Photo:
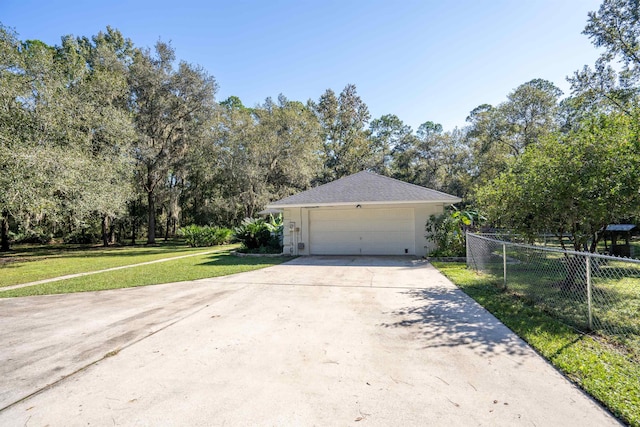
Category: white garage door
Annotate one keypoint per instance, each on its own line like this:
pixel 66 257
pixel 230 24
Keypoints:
pixel 362 231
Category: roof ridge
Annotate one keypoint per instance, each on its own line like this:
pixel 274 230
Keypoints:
pixel 403 182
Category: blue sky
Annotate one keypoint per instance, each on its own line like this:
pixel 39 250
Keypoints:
pixel 421 60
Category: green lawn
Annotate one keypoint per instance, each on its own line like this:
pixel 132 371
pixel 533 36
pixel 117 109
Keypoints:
pixel 191 268
pixel 30 263
pixel 601 370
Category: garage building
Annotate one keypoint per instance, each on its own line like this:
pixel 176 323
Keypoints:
pixel 360 214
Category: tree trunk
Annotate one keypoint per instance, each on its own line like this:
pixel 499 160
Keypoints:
pixel 575 269
pixel 151 232
pixel 105 232
pixel 4 240
pixel 121 235
pixel 133 224
pixel 112 232
pixel 194 216
pixel 166 230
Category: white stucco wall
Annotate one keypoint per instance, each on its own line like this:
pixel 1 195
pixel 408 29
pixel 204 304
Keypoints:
pixel 422 214
pixel 293 231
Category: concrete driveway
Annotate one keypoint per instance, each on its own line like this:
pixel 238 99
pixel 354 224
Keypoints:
pixel 316 341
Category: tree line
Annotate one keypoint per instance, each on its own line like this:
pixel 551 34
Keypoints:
pixel 576 170
pixel 100 137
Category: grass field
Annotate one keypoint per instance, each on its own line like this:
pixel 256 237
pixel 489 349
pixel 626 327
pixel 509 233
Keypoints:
pixel 31 263
pixel 600 369
pixel 192 268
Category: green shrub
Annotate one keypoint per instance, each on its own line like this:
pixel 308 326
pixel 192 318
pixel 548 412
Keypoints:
pixel 198 235
pixel 448 231
pixel 277 227
pixel 191 235
pixel 261 236
pixel 81 237
pixel 35 236
pixel 222 235
pixel 253 233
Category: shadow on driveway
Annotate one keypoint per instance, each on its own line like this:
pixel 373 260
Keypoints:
pixel 448 318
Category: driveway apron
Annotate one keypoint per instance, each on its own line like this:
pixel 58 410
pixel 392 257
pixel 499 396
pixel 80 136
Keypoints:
pixel 357 341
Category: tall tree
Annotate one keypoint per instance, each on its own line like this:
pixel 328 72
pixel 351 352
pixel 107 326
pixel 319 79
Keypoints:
pixel 570 183
pixel 235 163
pixel 63 137
pixel 434 159
pixel 498 134
pixel 615 27
pixel 416 158
pixel 97 71
pixel 388 134
pixel 289 137
pixel 34 152
pixel 453 174
pixel 13 119
pixel 531 112
pixel 171 107
pixel 346 144
pixel 264 153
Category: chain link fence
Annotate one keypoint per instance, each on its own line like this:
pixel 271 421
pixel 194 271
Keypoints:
pixel 593 293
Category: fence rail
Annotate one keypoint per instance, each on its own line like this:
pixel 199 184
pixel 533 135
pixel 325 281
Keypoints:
pixel 593 293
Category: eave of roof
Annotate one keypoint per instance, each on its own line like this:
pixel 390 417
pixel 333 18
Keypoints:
pixel 398 202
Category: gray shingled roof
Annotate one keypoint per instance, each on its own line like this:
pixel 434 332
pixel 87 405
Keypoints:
pixel 365 187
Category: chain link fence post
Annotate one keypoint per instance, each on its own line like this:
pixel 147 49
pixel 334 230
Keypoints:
pixel 467 252
pixel 504 266
pixel 589 310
